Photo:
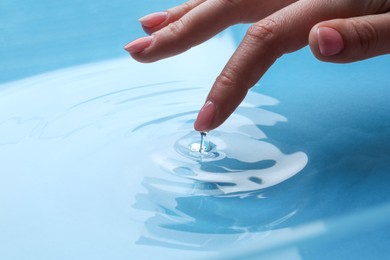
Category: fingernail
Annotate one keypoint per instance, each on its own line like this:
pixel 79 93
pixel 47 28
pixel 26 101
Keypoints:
pixel 154 19
pixel 139 44
pixel 330 41
pixel 205 117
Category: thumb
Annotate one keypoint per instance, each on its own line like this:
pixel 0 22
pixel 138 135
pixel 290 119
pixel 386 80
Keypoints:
pixel 351 39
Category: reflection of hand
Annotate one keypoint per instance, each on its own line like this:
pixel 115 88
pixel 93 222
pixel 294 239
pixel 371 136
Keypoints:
pixel 337 31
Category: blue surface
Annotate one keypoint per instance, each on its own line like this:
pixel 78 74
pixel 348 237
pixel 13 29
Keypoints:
pixel 70 189
pixel 39 36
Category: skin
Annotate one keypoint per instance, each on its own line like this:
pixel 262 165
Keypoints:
pixel 359 29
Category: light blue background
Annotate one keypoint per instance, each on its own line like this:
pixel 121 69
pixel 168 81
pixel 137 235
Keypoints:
pixel 338 114
pixel 39 36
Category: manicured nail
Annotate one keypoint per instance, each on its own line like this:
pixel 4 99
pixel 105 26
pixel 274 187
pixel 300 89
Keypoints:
pixel 152 20
pixel 139 44
pixel 330 41
pixel 205 117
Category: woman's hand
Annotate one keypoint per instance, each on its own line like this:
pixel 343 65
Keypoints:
pixel 337 31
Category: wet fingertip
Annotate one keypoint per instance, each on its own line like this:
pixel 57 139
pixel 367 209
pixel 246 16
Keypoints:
pixel 206 117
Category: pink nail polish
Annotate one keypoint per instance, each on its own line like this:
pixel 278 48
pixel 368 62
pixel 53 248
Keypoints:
pixel 139 44
pixel 205 117
pixel 330 41
pixel 153 20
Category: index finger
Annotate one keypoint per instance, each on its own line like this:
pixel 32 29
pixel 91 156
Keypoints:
pixel 284 31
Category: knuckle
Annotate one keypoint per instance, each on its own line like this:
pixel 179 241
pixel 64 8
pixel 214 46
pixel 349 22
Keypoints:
pixel 177 28
pixel 366 34
pixel 262 30
pixel 226 79
pixel 230 81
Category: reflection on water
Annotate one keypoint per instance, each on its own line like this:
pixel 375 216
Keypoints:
pixel 206 222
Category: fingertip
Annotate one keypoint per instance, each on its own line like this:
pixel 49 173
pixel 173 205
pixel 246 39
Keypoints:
pixel 138 45
pixel 330 41
pixel 351 39
pixel 153 20
pixel 139 49
pixel 205 118
pixel 325 42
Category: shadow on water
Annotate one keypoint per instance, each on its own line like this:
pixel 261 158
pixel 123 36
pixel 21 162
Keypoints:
pixel 233 165
pixel 227 195
pixel 209 222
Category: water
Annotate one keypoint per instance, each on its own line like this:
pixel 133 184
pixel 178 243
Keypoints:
pixel 92 131
pixel 204 146
pixel 101 161
pixel 94 153
pixel 229 167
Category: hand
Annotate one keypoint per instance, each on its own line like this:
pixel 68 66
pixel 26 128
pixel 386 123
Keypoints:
pixel 337 31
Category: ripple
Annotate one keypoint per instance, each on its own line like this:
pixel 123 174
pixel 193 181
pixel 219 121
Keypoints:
pixel 238 158
pixel 236 163
pixel 190 145
pixel 84 128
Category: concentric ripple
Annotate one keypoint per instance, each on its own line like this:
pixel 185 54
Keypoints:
pixel 160 116
pixel 235 162
pixel 69 135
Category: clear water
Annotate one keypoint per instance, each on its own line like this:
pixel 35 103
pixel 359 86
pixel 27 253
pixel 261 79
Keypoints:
pixel 101 130
pixel 101 161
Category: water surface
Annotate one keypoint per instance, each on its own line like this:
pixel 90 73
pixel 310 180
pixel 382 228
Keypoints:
pixel 95 160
